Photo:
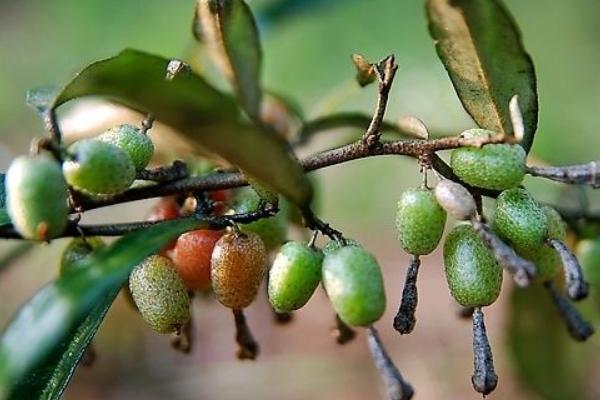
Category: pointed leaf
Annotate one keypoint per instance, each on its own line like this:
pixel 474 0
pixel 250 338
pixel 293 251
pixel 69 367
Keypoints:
pixel 480 46
pixel 52 317
pixel 204 115
pixel 229 31
pixel 4 218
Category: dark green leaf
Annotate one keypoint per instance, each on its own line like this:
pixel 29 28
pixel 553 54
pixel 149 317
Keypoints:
pixel 56 312
pixel 186 102
pixel 41 99
pixel 546 360
pixel 480 46
pixel 50 379
pixel 229 31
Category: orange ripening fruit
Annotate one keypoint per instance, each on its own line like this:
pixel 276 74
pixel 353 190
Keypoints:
pixel 192 254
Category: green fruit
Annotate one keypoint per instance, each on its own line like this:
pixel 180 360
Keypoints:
pixel 493 166
pixel 557 229
pixel 333 245
pixel 37 197
pixel 473 275
pixel 588 254
pixel 132 141
pixel 352 279
pixel 237 267
pixel 420 221
pixel 77 250
pixel 272 230
pixel 160 295
pixel 294 276
pixel 520 219
pixel 546 260
pixel 98 168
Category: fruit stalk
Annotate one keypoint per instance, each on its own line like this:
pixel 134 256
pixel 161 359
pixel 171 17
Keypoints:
pixel 577 287
pixel 248 347
pixel 342 332
pixel 405 320
pixel 521 270
pixel 578 328
pixel 168 173
pixel 396 387
pixel 484 377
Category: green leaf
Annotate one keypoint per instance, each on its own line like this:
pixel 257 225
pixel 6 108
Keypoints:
pixel 480 46
pixel 545 359
pixel 229 31
pixel 190 105
pixel 50 380
pixel 58 312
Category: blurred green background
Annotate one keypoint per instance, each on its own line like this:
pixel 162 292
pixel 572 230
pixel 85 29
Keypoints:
pixel 307 45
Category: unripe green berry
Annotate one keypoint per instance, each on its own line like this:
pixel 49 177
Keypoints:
pixel 547 261
pixel 333 245
pixel 272 230
pixel 238 265
pixel 294 276
pixel 420 221
pixel 37 197
pixel 455 199
pixel 520 219
pixel 352 279
pixel 493 166
pixel 473 275
pixel 77 250
pixel 588 254
pixel 132 141
pixel 557 229
pixel 160 295
pixel 98 168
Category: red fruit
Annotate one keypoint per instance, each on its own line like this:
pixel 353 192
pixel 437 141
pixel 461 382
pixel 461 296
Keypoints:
pixel 191 255
pixel 166 208
pixel 220 198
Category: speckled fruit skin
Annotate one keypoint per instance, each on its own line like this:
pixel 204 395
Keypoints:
pixel 36 197
pixel 98 168
pixel 294 276
pixel 588 254
pixel 272 230
pixel 352 279
pixel 77 250
pixel 546 260
pixel 192 254
pixel 557 229
pixel 132 141
pixel 519 218
pixel 473 275
pixel 160 295
pixel 333 245
pixel 493 166
pixel 420 221
pixel 238 265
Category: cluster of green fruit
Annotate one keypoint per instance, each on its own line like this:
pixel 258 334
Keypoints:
pixel 37 186
pixel 473 269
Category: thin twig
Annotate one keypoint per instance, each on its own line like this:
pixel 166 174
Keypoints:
pixel 167 173
pixel 248 347
pixel 484 377
pixel 385 72
pixel 588 174
pixel 342 332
